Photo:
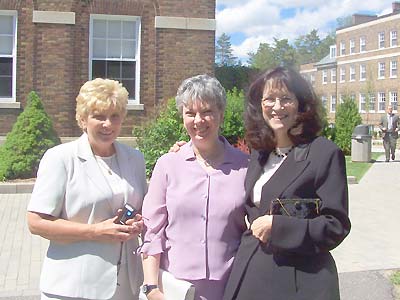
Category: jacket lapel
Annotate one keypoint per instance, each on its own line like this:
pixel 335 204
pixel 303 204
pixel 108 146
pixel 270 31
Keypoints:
pixel 126 168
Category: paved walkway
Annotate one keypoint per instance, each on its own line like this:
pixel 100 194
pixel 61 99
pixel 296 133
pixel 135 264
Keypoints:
pixel 372 246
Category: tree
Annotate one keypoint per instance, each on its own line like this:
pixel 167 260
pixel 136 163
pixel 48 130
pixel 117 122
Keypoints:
pixel 223 51
pixel 307 46
pixel 284 53
pixel 263 58
pixel 346 118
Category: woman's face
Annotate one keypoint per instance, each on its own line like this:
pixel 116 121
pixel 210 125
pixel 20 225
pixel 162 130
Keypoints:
pixel 279 107
pixel 202 121
pixel 102 128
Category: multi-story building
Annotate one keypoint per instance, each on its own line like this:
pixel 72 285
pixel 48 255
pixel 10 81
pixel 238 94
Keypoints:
pixel 362 65
pixel 53 47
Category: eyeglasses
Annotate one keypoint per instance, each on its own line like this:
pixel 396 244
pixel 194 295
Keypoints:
pixel 283 101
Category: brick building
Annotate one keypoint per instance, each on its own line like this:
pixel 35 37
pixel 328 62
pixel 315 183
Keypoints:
pixel 362 65
pixel 53 47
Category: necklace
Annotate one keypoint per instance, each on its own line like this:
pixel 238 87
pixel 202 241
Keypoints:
pixel 277 152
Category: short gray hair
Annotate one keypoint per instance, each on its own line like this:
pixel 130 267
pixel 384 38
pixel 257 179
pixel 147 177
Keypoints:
pixel 202 88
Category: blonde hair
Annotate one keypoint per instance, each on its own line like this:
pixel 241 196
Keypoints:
pixel 100 95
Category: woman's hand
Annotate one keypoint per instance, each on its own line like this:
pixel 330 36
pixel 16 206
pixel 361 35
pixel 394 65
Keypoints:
pixel 261 228
pixel 177 146
pixel 155 295
pixel 109 231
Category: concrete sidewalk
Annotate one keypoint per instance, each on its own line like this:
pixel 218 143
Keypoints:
pixel 371 248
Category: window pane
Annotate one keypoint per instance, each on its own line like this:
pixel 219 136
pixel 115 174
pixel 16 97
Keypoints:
pixel 6 25
pixel 5 66
pixel 130 86
pixel 6 45
pixel 113 69
pixel 128 29
pixel 114 29
pixel 114 49
pixel 5 86
pixel 99 28
pixel 128 69
pixel 99 48
pixel 98 69
pixel 128 49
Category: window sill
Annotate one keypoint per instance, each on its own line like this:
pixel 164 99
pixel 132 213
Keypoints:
pixel 16 105
pixel 131 106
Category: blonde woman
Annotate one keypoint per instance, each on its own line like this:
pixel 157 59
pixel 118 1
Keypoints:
pixel 80 189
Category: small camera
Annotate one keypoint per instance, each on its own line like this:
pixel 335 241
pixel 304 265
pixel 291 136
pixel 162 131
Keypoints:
pixel 128 212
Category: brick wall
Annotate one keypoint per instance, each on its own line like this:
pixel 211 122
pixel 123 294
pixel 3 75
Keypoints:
pixel 52 59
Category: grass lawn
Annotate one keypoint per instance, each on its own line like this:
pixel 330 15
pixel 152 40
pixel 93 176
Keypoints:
pixel 358 169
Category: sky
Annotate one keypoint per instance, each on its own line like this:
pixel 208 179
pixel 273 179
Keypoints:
pixel 252 22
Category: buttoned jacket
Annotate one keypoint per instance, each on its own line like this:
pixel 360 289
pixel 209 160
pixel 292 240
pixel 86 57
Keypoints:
pixel 395 125
pixel 70 185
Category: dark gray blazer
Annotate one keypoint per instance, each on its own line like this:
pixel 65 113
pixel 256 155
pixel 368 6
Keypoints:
pixel 296 263
pixel 383 125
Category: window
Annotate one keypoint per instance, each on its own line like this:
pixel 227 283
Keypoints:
pixel 8 56
pixel 342 48
pixel 371 103
pixel 324 101
pixel 393 69
pixel 393 100
pixel 312 79
pixel 393 38
pixel 333 75
pixel 353 97
pixel 352 73
pixel 381 70
pixel 333 103
pixel 332 51
pixel 363 44
pixel 362 103
pixel 363 72
pixel 324 77
pixel 352 46
pixel 114 51
pixel 381 101
pixel 381 40
pixel 341 99
pixel 342 74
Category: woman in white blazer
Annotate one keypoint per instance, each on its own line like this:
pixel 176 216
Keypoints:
pixel 80 189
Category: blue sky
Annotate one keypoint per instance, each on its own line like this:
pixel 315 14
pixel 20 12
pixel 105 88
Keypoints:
pixel 252 22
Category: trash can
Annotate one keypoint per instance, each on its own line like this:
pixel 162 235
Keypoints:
pixel 361 144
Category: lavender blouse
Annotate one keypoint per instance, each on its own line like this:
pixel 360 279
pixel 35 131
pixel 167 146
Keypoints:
pixel 194 218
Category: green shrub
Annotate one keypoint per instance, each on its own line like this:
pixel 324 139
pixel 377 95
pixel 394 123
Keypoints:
pixel 155 137
pixel 346 118
pixel 30 137
pixel 328 130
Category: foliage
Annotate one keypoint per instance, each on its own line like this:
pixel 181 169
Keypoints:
pixel 395 278
pixel 233 127
pixel 30 137
pixel 223 51
pixel 238 77
pixel 310 48
pixel 346 118
pixel 328 130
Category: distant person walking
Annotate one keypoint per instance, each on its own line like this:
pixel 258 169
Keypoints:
pixel 390 126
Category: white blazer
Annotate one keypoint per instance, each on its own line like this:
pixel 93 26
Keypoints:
pixel 70 185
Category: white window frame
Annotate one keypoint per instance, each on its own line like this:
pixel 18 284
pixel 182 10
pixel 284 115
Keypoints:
pixel 324 101
pixel 393 69
pixel 352 46
pixel 333 104
pixel 352 74
pixel 393 100
pixel 393 38
pixel 342 74
pixel 341 98
pixel 333 76
pixel 324 76
pixel 363 72
pixel 363 44
pixel 312 79
pixel 332 51
pixel 342 48
pixel 381 102
pixel 381 40
pixel 372 102
pixel 134 100
pixel 362 105
pixel 13 56
pixel 381 70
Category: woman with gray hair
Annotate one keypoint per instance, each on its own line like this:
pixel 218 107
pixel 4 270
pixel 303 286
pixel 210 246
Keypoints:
pixel 193 211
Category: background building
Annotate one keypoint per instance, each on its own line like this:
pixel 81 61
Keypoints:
pixel 362 65
pixel 53 47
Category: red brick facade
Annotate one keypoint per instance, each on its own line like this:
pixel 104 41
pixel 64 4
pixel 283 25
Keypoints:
pixel 53 59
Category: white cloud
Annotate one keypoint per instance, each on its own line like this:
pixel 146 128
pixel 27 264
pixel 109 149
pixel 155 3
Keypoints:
pixel 261 20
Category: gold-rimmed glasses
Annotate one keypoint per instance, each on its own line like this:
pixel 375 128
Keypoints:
pixel 283 101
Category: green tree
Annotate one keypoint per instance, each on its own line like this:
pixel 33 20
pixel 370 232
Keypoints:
pixel 233 126
pixel 284 53
pixel 346 118
pixel 223 51
pixel 30 137
pixel 234 76
pixel 263 58
pixel 306 47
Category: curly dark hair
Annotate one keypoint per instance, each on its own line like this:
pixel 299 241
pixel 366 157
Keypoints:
pixel 259 135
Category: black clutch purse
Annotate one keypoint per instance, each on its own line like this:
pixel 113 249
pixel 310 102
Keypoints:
pixel 303 208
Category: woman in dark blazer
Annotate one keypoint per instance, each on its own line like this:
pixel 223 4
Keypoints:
pixel 281 256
